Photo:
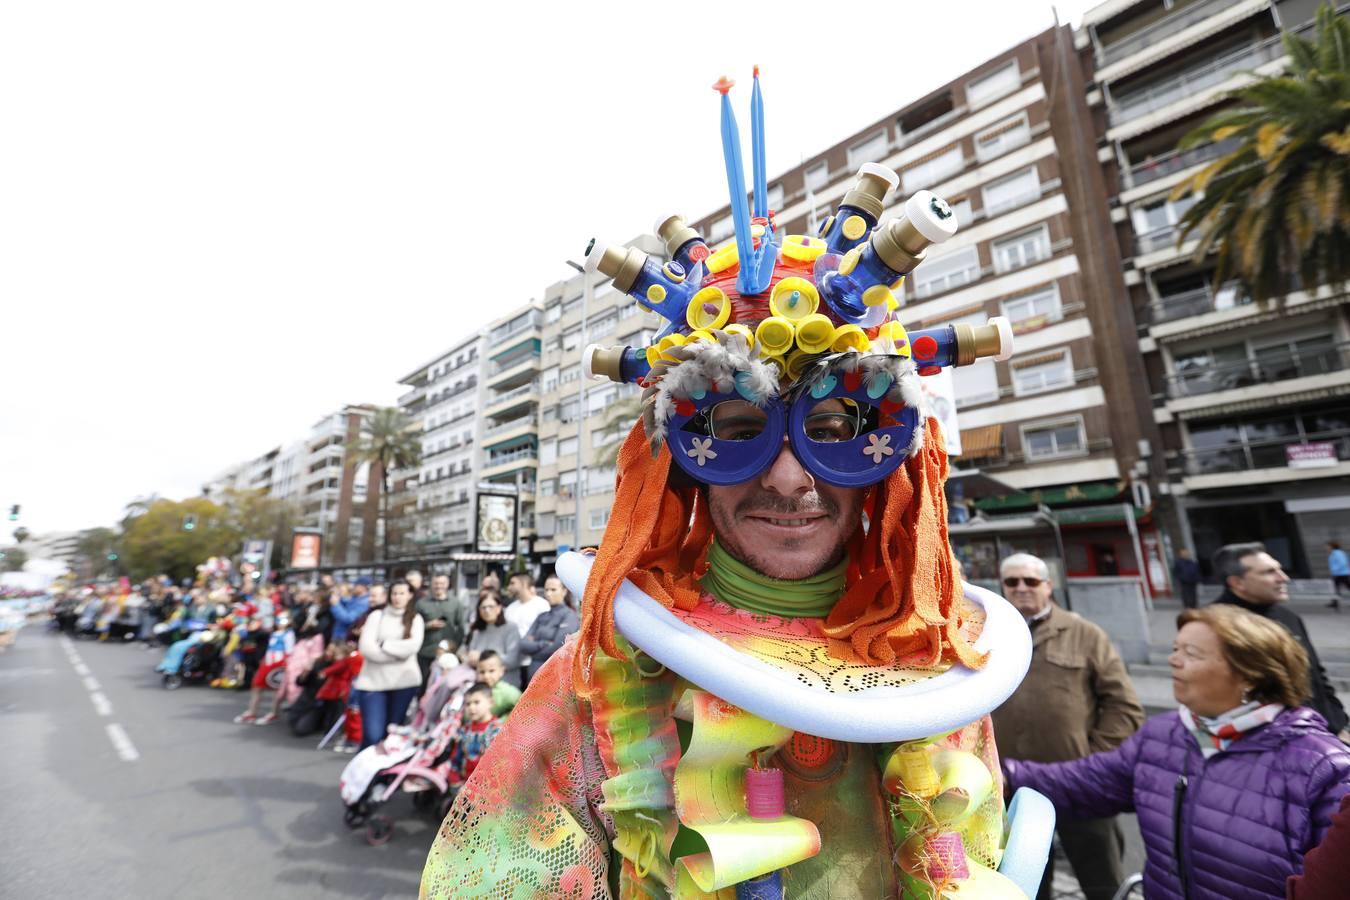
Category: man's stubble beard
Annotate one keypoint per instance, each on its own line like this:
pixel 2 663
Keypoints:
pixel 724 527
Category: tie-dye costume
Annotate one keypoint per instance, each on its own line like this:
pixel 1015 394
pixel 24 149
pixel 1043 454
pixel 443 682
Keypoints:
pixel 686 746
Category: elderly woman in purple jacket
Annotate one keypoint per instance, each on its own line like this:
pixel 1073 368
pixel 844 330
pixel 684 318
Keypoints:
pixel 1234 787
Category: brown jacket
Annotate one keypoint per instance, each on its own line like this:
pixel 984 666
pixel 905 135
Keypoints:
pixel 1076 699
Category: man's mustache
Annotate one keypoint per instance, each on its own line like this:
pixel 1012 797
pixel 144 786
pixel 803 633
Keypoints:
pixel 770 504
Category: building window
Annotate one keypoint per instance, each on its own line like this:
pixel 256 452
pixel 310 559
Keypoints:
pixel 602 437
pixel 571 340
pixel 546 526
pixel 567 411
pixel 946 272
pixel 1060 437
pixel 567 447
pixel 930 172
pixel 554 312
pixel 599 518
pixel 817 176
pixel 570 374
pixel 550 380
pixel 1011 192
pixel 1047 373
pixel 965 215
pixel 548 487
pixel 975 384
pixel 1006 135
pixel 548 452
pixel 775 197
pixel 548 414
pixel 869 149
pixel 1035 309
pixel 602 325
pixel 567 526
pixel 998 83
pixel 1022 250
pixel 722 229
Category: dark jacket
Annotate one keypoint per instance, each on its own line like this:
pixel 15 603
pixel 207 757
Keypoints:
pixel 547 634
pixel 1076 699
pixel 1245 816
pixel 1324 698
pixel 452 612
pixel 1186 571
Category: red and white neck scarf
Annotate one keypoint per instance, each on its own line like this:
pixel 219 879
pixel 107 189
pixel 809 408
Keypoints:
pixel 1218 733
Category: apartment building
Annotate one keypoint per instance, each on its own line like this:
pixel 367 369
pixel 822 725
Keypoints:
pixel 1250 402
pixel 580 421
pixel 434 507
pixel 1010 146
pixel 333 488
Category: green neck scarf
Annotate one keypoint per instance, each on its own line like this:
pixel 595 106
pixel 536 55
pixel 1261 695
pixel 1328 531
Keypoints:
pixel 735 583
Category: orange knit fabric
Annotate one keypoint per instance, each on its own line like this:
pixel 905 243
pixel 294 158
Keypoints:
pixel 901 594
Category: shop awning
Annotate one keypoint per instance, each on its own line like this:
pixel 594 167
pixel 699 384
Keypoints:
pixel 1109 514
pixel 982 442
pixel 1092 492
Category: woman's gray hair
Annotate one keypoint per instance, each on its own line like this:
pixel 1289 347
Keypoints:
pixel 1024 559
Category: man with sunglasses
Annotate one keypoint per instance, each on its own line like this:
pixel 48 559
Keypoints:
pixel 1077 699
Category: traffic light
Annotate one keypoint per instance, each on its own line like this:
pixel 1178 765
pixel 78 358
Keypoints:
pixel 189 522
pixel 14 513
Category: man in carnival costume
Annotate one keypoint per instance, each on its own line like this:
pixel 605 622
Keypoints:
pixel 779 688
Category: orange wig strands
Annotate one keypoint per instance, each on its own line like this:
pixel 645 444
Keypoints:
pixel 902 591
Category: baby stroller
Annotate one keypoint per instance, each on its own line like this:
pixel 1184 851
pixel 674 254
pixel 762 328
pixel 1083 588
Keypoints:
pixel 196 658
pixel 415 760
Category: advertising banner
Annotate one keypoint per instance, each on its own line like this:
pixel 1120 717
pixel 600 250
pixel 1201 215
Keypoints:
pixel 1312 455
pixel 495 525
pixel 305 550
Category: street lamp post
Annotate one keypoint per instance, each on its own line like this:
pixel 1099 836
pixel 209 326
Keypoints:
pixel 581 401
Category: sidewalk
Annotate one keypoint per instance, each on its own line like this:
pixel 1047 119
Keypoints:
pixel 1329 629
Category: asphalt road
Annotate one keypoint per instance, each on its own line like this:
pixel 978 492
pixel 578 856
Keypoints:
pixel 113 787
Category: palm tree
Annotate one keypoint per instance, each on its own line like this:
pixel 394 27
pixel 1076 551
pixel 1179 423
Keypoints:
pixel 1277 208
pixel 389 440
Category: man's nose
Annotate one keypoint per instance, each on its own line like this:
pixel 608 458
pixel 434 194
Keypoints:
pixel 787 476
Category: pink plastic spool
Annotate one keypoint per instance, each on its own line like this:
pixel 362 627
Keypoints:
pixel 764 793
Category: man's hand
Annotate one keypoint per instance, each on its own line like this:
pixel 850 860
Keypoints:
pixel 436 623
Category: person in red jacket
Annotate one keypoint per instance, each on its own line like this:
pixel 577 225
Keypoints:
pixel 1326 868
pixel 337 685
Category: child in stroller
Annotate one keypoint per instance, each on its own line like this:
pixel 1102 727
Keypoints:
pixel 416 758
pixel 195 658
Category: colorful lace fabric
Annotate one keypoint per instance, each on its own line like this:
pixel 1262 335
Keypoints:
pixel 801 648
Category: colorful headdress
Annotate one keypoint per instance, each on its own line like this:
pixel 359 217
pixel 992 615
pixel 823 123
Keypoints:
pixel 795 336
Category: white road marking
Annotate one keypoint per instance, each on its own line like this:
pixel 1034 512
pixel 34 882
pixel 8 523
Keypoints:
pixel 101 704
pixel 121 743
pixel 80 668
pixel 91 683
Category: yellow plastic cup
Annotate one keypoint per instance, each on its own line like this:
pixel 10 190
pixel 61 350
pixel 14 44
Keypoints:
pixel 850 337
pixel 743 331
pixel 815 333
pixel 699 317
pixel 774 336
pixel 669 341
pixel 794 299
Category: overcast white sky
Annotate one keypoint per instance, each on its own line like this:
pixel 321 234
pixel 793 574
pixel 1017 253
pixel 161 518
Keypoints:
pixel 221 221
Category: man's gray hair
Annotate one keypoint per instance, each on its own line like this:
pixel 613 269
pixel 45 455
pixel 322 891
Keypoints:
pixel 1024 559
pixel 1228 559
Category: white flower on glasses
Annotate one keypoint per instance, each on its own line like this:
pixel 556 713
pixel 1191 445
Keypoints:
pixel 702 450
pixel 878 449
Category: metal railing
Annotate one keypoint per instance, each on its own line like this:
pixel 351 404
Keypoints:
pixel 1194 303
pixel 498 459
pixel 500 366
pixel 1268 368
pixel 1250 455
pixel 512 394
pixel 1151 170
pixel 1022 199
pixel 524 323
pixel 1192 81
pixel 1160 30
pixel 508 426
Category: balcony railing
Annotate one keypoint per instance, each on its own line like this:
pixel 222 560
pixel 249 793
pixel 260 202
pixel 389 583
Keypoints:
pixel 509 426
pixel 1194 303
pixel 1151 170
pixel 1164 238
pixel 1252 455
pixel 524 323
pixel 1269 368
pixel 1192 81
pixel 502 365
pixel 512 394
pixel 498 459
pixel 1161 30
